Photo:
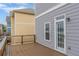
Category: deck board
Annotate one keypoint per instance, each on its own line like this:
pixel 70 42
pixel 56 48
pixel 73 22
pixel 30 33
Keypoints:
pixel 32 49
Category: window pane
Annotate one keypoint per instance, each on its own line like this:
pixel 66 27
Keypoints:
pixel 47 35
pixel 9 29
pixel 47 31
pixel 47 27
pixel 61 17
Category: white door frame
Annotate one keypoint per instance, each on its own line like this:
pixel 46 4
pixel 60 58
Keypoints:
pixel 64 19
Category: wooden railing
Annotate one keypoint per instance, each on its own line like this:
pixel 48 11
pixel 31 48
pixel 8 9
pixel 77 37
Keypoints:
pixel 21 39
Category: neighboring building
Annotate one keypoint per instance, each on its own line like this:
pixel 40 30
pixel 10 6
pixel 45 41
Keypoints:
pixel 8 21
pixel 22 22
pixel 57 26
pixel 1 30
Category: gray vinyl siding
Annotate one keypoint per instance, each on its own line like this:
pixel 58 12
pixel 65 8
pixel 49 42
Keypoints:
pixel 72 28
pixel 40 30
pixel 44 7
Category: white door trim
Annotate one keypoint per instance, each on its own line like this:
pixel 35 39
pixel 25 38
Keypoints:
pixel 64 32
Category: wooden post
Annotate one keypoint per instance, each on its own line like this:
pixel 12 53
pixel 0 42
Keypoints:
pixel 34 39
pixel 22 39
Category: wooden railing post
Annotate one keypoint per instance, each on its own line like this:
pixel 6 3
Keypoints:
pixel 22 39
pixel 34 39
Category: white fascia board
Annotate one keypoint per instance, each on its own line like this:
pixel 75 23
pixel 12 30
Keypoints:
pixel 51 9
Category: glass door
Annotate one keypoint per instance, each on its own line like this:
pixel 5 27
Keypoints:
pixel 60 35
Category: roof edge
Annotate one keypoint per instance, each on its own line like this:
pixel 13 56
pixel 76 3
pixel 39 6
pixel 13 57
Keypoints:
pixel 51 9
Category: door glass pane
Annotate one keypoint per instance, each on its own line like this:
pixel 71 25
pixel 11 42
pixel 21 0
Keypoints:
pixel 60 34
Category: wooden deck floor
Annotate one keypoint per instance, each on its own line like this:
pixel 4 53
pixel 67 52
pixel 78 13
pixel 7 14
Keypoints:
pixel 32 49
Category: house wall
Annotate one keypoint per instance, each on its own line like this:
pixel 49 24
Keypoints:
pixel 25 24
pixel 1 30
pixel 43 7
pixel 22 24
pixel 8 20
pixel 72 28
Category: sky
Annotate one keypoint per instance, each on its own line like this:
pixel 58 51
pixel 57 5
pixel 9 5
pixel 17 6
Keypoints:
pixel 5 8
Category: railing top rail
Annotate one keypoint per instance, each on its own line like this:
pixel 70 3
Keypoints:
pixel 22 35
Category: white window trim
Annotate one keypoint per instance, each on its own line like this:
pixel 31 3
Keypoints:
pixel 64 32
pixel 51 9
pixel 49 31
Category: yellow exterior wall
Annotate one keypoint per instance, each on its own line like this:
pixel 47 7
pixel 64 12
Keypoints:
pixel 25 24
pixel 22 24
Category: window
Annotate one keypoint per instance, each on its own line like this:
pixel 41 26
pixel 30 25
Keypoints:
pixel 9 29
pixel 60 17
pixel 47 31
